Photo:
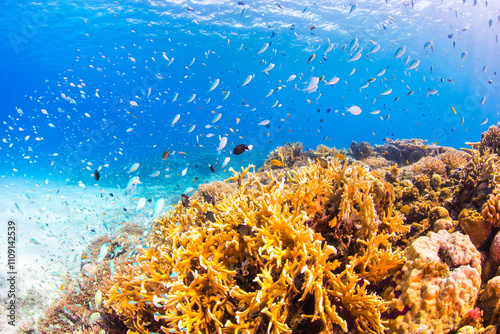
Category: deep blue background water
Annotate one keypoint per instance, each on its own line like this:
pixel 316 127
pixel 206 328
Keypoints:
pixel 45 46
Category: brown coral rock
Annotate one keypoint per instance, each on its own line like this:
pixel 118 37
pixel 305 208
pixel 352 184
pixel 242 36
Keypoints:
pixel 214 191
pixel 489 298
pixel 428 166
pixel 376 162
pixel 287 154
pixel 490 140
pixel 361 150
pixel 421 181
pixel 441 281
pixel 453 159
pixel 442 224
pixel 438 212
pixel 473 224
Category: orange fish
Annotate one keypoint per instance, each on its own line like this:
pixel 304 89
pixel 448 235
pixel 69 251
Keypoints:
pixel 276 162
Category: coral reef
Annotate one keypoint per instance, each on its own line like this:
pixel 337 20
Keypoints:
pixel 489 299
pixel 473 225
pixel 440 282
pixel 361 150
pixel 377 163
pixel 495 249
pixel 314 243
pixel 429 166
pixel 79 309
pixel 287 156
pixel 491 210
pixel 408 151
pixel 478 180
pixel 325 151
pixel 213 192
pixel 269 259
pixel 490 140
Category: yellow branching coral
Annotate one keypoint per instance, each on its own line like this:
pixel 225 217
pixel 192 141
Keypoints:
pixel 264 259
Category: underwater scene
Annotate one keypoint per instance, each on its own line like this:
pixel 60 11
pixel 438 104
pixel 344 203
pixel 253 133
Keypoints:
pixel 216 166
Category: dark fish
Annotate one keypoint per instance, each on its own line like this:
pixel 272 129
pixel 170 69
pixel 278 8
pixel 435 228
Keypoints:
pixel 212 168
pixel 165 154
pixel 209 199
pixel 185 201
pixel 210 216
pixel 97 176
pixel 244 229
pixel 241 3
pixel 311 58
pixel 323 162
pixel 240 149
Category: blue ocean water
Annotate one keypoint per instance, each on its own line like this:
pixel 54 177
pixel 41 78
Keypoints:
pixel 91 84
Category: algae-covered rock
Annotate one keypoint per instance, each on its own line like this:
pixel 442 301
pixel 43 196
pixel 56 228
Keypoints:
pixel 440 282
pixel 473 224
pixel 442 224
pixel 436 181
pixel 467 330
pixel 489 298
pixel 438 212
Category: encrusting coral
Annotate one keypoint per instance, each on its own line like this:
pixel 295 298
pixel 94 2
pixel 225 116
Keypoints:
pixel 407 151
pixel 265 259
pixel 440 283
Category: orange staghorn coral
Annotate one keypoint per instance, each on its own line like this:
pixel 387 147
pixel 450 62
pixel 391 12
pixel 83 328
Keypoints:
pixel 257 261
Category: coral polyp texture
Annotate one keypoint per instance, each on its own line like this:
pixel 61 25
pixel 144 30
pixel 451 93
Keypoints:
pixel 307 252
pixel 440 283
pixel 491 211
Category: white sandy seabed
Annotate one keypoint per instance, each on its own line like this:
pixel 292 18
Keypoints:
pixel 54 224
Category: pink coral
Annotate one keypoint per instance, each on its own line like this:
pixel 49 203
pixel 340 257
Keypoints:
pixel 440 283
pixel 495 249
